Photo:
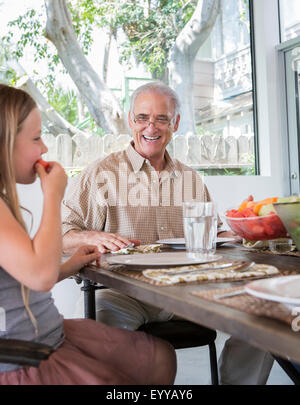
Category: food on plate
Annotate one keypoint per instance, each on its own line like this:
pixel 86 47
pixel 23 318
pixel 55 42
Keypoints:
pixel 154 248
pixel 256 220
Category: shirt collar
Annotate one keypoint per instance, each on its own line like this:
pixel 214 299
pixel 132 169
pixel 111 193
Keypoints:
pixel 137 161
pixel 135 158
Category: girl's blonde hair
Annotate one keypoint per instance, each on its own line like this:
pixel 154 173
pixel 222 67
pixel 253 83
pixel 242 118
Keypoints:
pixel 15 106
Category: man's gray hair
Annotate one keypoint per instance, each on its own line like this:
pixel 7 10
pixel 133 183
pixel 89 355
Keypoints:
pixel 160 88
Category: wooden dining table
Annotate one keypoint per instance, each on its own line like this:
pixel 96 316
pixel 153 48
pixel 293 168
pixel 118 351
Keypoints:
pixel 263 332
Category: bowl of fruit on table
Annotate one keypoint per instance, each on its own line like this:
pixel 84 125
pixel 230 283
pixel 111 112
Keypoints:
pixel 288 209
pixel 256 220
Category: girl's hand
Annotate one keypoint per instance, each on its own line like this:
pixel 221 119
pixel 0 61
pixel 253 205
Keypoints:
pixel 84 255
pixel 53 179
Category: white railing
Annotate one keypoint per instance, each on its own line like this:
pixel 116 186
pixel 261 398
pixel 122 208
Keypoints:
pixel 199 151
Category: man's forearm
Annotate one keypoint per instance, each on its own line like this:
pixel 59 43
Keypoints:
pixel 105 241
pixel 73 239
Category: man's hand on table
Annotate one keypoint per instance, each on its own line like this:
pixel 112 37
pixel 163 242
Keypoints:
pixel 105 241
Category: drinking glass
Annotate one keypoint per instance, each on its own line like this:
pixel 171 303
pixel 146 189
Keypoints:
pixel 200 228
pixel 281 245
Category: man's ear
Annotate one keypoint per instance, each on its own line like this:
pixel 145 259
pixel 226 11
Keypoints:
pixel 176 125
pixel 129 120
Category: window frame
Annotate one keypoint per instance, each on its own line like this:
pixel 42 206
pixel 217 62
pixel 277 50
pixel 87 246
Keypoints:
pixel 254 89
pixel 290 105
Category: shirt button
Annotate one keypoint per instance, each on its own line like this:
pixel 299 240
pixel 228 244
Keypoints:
pixel 161 228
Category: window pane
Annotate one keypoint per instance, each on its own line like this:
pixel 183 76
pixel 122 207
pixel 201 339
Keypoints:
pixel 222 99
pixel 224 94
pixel 289 19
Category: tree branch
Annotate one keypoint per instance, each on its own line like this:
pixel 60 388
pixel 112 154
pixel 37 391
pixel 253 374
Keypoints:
pixel 102 104
pixel 197 30
pixel 183 54
pixel 54 122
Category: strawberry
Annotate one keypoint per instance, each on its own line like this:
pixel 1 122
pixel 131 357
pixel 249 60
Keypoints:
pixel 43 163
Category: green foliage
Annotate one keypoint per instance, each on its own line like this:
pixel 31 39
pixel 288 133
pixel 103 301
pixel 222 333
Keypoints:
pixel 151 27
pixel 202 130
pixel 242 171
pixel 66 103
pixel 30 37
pixel 90 124
pixel 244 14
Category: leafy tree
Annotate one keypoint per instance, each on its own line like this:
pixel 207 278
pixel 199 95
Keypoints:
pixel 66 103
pixel 151 27
pixel 162 34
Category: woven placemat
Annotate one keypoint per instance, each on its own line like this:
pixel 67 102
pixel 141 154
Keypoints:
pixel 268 251
pixel 137 275
pixel 248 303
pixel 154 278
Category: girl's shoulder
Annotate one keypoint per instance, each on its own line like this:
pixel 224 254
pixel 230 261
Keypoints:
pixel 4 208
pixel 3 204
pixel 6 215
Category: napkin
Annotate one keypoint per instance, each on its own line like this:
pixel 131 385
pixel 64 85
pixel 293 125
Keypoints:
pixel 258 244
pixel 161 275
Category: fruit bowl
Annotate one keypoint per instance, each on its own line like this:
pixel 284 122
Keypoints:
pixel 258 227
pixel 289 213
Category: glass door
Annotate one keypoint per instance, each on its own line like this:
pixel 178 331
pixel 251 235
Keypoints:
pixel 292 73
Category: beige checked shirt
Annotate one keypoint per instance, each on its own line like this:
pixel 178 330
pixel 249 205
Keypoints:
pixel 124 194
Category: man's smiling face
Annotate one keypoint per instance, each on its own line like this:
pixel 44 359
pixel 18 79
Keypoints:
pixel 152 123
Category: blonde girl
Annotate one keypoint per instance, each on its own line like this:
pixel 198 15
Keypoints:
pixel 86 352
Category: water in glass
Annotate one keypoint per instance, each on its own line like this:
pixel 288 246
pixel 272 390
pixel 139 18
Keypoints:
pixel 200 228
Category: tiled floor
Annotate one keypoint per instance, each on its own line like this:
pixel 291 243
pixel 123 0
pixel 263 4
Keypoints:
pixel 194 368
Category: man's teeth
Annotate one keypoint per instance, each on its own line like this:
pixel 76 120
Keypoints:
pixel 151 138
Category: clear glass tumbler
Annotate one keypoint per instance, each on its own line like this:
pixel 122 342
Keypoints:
pixel 281 245
pixel 200 228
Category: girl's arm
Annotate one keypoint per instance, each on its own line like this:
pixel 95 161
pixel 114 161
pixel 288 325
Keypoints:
pixel 35 263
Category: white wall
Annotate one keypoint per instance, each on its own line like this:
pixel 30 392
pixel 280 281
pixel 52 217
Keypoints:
pixel 66 292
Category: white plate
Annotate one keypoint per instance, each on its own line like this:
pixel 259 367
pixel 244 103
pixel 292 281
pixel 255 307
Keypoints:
pixel 220 241
pixel 179 243
pixel 160 259
pixel 174 241
pixel 284 289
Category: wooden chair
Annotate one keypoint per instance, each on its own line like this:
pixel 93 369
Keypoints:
pixel 182 334
pixel 23 353
pixel 179 333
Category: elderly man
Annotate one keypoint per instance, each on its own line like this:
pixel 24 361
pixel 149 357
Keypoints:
pixel 136 196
